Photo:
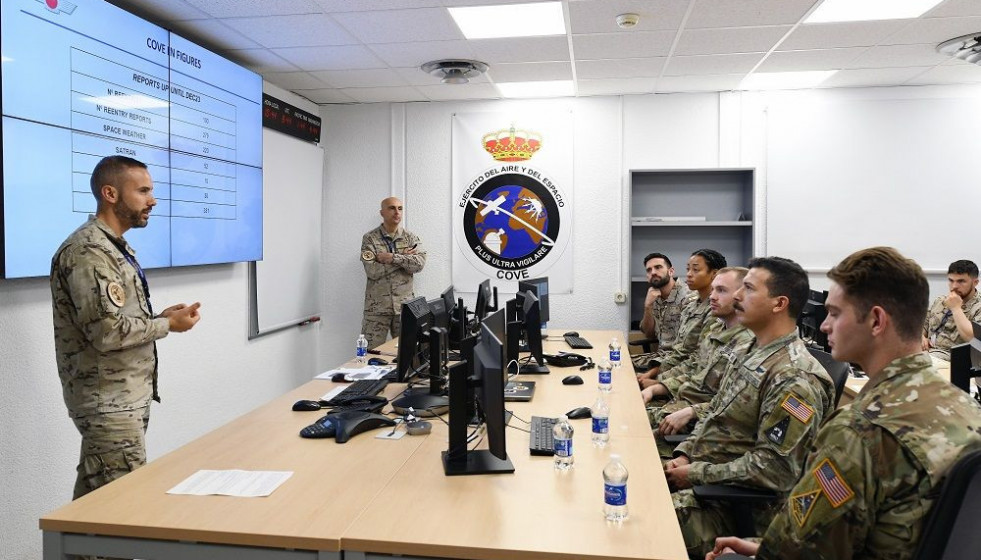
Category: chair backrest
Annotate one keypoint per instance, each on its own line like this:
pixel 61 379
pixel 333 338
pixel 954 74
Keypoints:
pixel 837 370
pixel 951 529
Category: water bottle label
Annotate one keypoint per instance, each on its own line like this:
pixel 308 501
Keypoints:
pixel 601 425
pixel 563 447
pixel 615 494
pixel 605 376
pixel 362 351
pixel 614 355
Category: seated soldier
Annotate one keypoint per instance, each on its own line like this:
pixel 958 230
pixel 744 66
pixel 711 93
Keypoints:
pixel 948 323
pixel 702 267
pixel 695 381
pixel 876 463
pixel 765 415
pixel 666 298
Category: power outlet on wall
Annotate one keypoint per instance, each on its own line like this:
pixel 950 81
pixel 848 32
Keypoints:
pixel 620 297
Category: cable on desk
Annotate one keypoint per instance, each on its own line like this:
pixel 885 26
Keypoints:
pixel 519 429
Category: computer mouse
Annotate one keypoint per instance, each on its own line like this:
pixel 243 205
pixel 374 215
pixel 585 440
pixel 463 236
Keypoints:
pixel 325 427
pixel 577 413
pixel 571 333
pixel 572 380
pixel 339 378
pixel 377 362
pixel 418 428
pixel 307 405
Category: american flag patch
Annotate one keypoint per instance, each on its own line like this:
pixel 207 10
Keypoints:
pixel 831 482
pixel 797 408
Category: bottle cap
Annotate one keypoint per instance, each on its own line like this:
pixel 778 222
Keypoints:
pixel 564 418
pixel 614 456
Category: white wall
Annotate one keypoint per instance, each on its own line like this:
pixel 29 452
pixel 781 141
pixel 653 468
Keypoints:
pixel 208 376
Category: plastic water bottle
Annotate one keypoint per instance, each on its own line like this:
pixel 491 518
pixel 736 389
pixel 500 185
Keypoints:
pixel 361 354
pixel 601 421
pixel 562 434
pixel 605 371
pixel 615 489
pixel 615 352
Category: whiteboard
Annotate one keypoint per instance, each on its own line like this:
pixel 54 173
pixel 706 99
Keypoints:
pixel 843 175
pixel 284 287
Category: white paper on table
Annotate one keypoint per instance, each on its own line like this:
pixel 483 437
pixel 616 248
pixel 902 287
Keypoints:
pixel 354 374
pixel 245 484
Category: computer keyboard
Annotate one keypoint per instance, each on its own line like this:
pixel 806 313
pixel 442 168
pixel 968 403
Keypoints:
pixel 360 388
pixel 541 441
pixel 577 342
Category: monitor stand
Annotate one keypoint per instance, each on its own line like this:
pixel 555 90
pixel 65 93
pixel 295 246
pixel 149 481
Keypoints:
pixel 476 462
pixel 533 368
pixel 423 403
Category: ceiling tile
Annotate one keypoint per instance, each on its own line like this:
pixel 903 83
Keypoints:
pixel 257 8
pixel 294 80
pixel 214 34
pixel 155 10
pixel 934 31
pixel 953 8
pixel 385 94
pixel 724 82
pixel 870 77
pixel 894 56
pixel 817 59
pixel 401 55
pixel 325 95
pixel 711 64
pixel 616 86
pixel 599 16
pixel 449 92
pixel 261 60
pixel 960 73
pixel 531 72
pixel 345 57
pixel 729 40
pixel 394 26
pixel 837 35
pixel 619 68
pixel 293 31
pixel 369 5
pixel 523 49
pixel 642 44
pixel 739 13
pixel 380 77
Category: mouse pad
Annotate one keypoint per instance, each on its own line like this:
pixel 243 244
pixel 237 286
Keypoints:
pixel 519 391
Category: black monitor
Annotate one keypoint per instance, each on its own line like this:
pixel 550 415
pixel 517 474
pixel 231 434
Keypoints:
pixel 539 287
pixel 457 322
pixel 965 363
pixel 441 314
pixel 487 383
pixel 531 326
pixel 415 320
pixel 810 319
pixel 486 301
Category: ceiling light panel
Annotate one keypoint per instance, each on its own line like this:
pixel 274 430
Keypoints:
pixel 869 10
pixel 510 20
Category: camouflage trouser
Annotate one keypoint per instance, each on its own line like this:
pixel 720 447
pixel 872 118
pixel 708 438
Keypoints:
pixel 113 444
pixel 376 328
pixel 644 362
pixel 655 415
pixel 702 522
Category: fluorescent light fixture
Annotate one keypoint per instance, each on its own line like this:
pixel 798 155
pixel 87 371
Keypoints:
pixel 510 20
pixel 834 11
pixel 552 88
pixel 785 80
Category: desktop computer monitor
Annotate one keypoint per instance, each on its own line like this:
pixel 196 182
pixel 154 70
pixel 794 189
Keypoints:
pixel 965 363
pixel 415 320
pixel 441 314
pixel 486 301
pixel 487 384
pixel 810 319
pixel 539 287
pixel 531 326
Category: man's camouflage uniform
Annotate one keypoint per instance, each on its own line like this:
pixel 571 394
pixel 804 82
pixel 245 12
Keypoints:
pixel 105 335
pixel 696 314
pixel 757 434
pixel 869 482
pixel 940 328
pixel 667 322
pixel 389 285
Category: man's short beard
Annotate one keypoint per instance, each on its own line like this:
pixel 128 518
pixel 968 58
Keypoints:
pixel 658 284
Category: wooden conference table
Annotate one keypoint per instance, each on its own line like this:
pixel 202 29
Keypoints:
pixel 371 497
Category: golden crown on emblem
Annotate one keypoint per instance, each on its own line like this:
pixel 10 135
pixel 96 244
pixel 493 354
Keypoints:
pixel 512 144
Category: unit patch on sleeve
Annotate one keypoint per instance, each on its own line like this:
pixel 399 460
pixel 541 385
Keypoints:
pixel 802 504
pixel 778 431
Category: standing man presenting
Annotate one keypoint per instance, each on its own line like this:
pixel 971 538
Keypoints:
pixel 105 329
pixel 391 256
pixel 948 322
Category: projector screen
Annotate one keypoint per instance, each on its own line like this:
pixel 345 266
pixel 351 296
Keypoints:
pixel 85 80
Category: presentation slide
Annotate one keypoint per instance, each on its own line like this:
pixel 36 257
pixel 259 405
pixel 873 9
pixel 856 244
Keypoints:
pixel 85 80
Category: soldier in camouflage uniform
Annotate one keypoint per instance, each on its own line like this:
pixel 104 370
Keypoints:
pixel 948 323
pixel 702 268
pixel 105 329
pixel 693 383
pixel 666 299
pixel 877 462
pixel 766 413
pixel 391 256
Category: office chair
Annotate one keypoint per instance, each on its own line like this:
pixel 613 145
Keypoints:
pixel 950 528
pixel 838 371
